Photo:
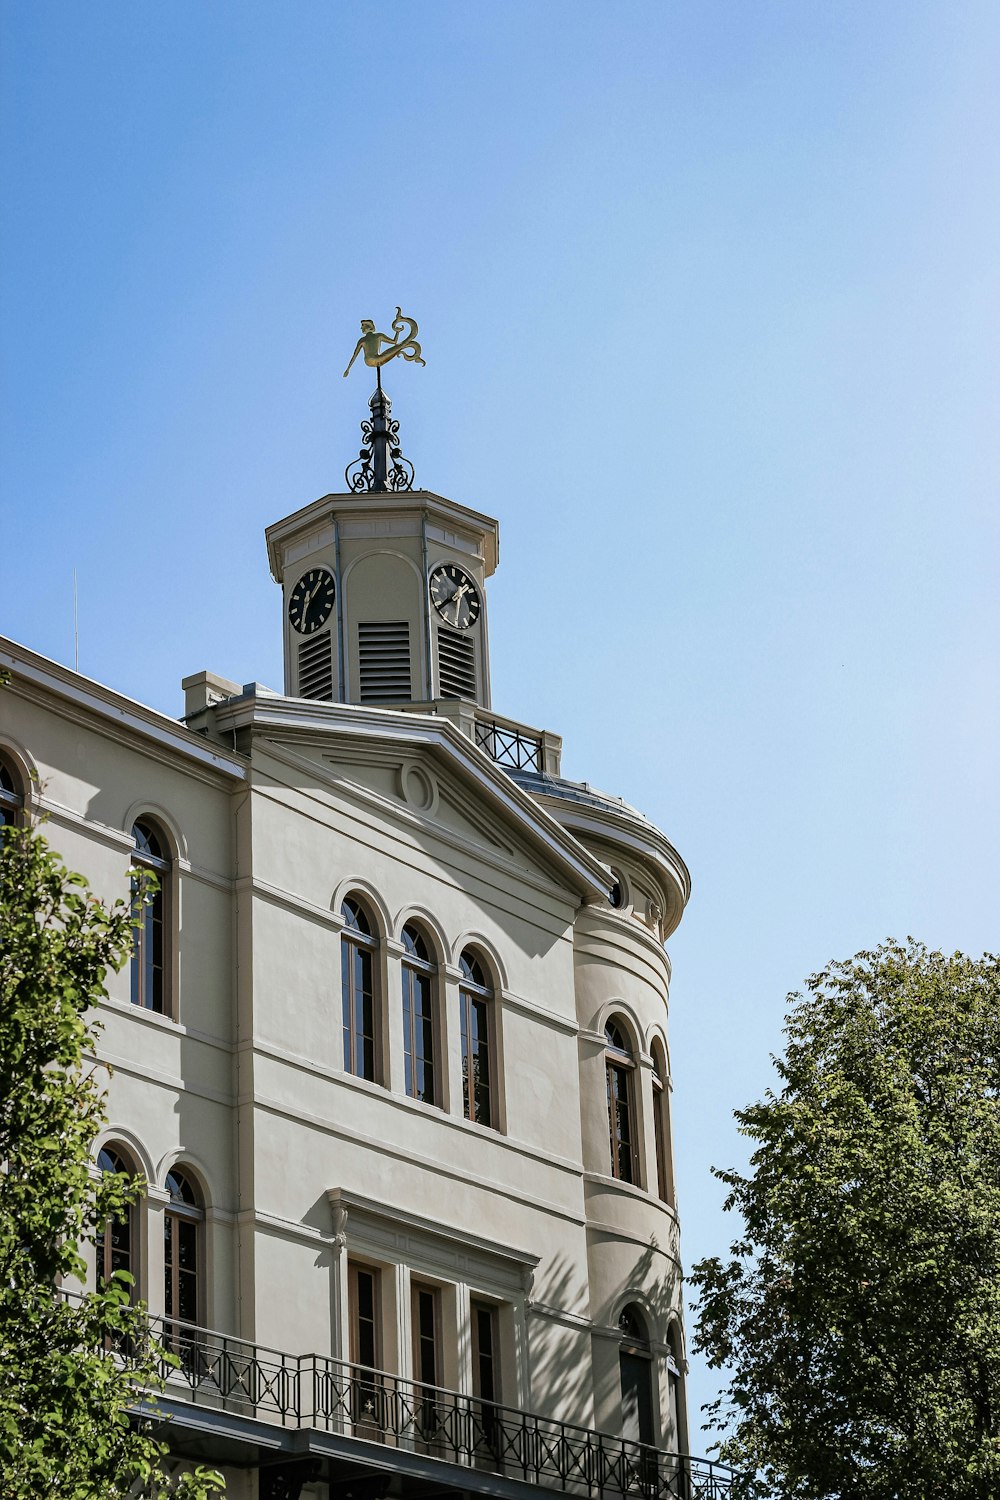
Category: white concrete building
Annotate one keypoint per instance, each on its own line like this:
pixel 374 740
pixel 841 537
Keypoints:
pixel 392 1051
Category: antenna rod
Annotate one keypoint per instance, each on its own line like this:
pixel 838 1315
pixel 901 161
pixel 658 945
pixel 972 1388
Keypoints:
pixel 76 628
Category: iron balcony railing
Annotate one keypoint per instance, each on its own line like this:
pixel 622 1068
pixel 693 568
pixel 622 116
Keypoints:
pixel 331 1395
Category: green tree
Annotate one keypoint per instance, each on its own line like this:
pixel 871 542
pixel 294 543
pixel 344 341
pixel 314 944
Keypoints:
pixel 858 1315
pixel 64 1396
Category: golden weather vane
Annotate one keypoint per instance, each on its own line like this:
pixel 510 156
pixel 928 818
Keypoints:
pixel 371 341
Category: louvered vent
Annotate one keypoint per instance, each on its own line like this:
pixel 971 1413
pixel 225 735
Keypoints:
pixel 456 664
pixel 316 667
pixel 384 659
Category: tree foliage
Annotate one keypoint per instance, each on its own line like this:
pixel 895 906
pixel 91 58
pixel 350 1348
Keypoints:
pixel 64 1395
pixel 859 1313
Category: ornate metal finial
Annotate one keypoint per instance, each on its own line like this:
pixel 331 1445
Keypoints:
pixel 380 466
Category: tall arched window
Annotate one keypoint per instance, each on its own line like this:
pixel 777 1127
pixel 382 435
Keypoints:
pixel 11 796
pixel 636 1368
pixel 182 1228
pixel 476 1001
pixel 418 1018
pixel 619 1066
pixel 674 1366
pixel 149 936
pixel 661 1126
pixel 357 956
pixel 117 1247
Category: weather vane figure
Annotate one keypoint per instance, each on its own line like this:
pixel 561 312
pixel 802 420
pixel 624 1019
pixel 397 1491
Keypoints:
pixel 404 342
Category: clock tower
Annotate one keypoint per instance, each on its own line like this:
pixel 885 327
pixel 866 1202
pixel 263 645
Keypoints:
pixel 384 585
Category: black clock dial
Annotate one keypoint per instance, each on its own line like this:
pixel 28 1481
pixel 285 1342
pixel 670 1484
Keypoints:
pixel 311 600
pixel 455 596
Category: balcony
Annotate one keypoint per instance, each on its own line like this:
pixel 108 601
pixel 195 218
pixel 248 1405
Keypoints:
pixel 509 743
pixel 371 1433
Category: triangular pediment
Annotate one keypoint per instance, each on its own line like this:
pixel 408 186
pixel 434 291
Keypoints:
pixel 419 772
pixel 421 785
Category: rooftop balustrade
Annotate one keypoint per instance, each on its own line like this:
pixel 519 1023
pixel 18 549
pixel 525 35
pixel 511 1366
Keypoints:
pixel 505 740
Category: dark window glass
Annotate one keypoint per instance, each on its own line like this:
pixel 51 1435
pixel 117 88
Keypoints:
pixel 115 1247
pixel 660 1130
pixel 485 1371
pixel 358 992
pixel 415 946
pixel 418 1018
pixel 615 1038
pixel 368 1396
pixel 476 1003
pixel 181 1259
pixel 619 1069
pixel 355 918
pixel 636 1370
pixel 425 1335
pixel 148 915
pixel 365 1318
pixel 487 1431
pixel 630 1326
pixel 11 798
pixel 180 1189
pixel 473 971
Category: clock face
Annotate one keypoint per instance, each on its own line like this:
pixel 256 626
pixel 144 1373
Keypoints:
pixel 312 600
pixel 455 596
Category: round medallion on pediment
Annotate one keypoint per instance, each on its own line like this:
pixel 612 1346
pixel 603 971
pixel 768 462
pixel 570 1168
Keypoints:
pixel 417 787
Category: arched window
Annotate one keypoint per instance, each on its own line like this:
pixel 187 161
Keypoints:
pixel 636 1369
pixel 182 1228
pixel 619 1066
pixel 117 1247
pixel 149 937
pixel 661 1126
pixel 476 1001
pixel 357 957
pixel 418 1018
pixel 674 1357
pixel 11 796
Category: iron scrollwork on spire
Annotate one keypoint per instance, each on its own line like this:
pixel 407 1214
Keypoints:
pixel 380 466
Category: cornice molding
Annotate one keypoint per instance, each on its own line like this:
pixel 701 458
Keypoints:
pixel 82 695
pixel 416 502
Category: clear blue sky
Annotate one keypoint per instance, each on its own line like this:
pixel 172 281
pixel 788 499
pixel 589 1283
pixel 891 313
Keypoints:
pixel 708 295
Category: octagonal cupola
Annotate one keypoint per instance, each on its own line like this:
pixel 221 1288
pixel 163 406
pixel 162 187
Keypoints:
pixel 383 585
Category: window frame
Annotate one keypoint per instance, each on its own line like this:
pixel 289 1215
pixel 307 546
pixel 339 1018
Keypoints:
pixel 366 1380
pixel 414 969
pixel 150 986
pixel 13 798
pixel 635 1345
pixel 620 1075
pixel 179 1213
pixel 104 1245
pixel 474 993
pixel 359 947
pixel 661 1128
